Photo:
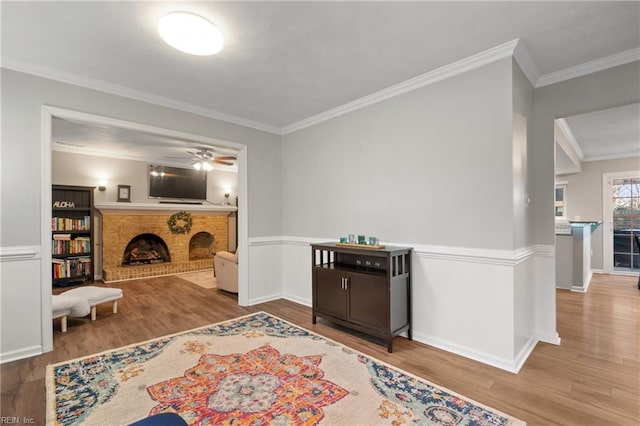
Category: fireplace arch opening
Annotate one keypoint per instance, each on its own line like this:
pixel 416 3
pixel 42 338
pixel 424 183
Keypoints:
pixel 145 249
pixel 201 246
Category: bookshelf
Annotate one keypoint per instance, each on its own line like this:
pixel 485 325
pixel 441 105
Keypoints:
pixel 71 235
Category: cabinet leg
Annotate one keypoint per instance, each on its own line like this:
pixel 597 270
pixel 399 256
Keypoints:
pixel 409 334
pixel 390 345
pixel 313 319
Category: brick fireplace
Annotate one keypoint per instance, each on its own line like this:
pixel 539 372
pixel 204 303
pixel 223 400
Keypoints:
pixel 142 229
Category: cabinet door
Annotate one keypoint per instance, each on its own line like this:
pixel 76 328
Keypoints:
pixel 331 297
pixel 368 301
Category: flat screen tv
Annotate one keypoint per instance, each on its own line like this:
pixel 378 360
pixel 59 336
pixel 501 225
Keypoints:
pixel 177 183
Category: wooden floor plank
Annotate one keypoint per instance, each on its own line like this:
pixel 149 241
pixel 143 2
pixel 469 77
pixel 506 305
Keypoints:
pixel 592 378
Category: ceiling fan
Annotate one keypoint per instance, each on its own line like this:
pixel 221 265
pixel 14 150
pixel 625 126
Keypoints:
pixel 204 158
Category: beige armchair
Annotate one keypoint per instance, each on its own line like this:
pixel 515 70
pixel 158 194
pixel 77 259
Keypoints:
pixel 226 270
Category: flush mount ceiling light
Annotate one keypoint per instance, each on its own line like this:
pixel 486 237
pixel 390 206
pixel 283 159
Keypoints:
pixel 190 33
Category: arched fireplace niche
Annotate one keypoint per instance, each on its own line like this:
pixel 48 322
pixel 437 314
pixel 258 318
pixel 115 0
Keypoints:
pixel 146 249
pixel 201 246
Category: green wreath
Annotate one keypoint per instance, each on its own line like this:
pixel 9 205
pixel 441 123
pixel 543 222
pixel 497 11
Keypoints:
pixel 180 223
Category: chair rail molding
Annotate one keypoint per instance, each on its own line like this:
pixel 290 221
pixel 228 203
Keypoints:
pixel 15 253
pixel 506 283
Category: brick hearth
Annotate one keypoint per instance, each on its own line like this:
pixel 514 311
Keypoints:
pixel 120 226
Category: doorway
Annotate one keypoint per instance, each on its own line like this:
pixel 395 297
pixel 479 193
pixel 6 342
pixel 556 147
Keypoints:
pixel 48 115
pixel 621 213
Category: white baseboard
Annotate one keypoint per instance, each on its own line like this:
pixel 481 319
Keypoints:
pixel 597 271
pixel 553 339
pixel 525 352
pixel 20 354
pixel 485 358
pixel 585 284
pixel 264 299
pixel 300 300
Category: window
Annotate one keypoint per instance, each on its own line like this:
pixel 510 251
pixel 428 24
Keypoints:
pixel 561 197
pixel 626 223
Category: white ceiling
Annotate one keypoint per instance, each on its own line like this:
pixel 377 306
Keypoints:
pixel 599 135
pixel 610 133
pixel 110 141
pixel 284 62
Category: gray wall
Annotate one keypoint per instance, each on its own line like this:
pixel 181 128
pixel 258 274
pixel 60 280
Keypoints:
pixel 74 169
pixel 22 98
pixel 522 158
pixel 593 92
pixel 584 196
pixel 431 166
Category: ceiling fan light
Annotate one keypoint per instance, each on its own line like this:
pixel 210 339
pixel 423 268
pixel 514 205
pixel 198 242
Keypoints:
pixel 197 165
pixel 207 166
pixel 190 33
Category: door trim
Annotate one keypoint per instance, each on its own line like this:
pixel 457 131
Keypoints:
pixel 607 216
pixel 46 136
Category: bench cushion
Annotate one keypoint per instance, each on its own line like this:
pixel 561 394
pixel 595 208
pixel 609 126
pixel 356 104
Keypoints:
pixel 64 304
pixel 96 295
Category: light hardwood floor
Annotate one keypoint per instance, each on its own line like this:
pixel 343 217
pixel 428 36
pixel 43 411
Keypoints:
pixel 592 378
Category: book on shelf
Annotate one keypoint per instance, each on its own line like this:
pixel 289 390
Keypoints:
pixel 70 224
pixel 71 267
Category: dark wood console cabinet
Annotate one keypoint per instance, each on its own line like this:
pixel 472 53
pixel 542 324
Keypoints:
pixel 363 289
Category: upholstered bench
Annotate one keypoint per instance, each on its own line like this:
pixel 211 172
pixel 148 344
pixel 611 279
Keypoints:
pixel 64 305
pixel 97 295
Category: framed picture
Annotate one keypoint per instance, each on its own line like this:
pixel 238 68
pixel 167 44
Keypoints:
pixel 124 193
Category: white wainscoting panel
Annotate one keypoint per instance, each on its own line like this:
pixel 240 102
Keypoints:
pixel 265 269
pixel 20 294
pixel 524 307
pixel 479 303
pixel 297 271
pixel 545 276
pixel 464 307
pixel 297 268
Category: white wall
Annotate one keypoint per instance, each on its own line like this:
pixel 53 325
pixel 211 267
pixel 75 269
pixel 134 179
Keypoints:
pixel 442 169
pixel 584 196
pixel 601 90
pixel 522 161
pixel 86 170
pixel 22 99
pixel 413 168
pixel 524 311
pixel 593 92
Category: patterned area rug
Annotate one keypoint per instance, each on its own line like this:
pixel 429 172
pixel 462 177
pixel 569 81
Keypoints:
pixel 253 370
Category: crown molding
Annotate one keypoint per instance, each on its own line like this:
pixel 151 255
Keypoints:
pixel 527 64
pixel 619 156
pixel 442 73
pixel 590 67
pixel 139 95
pixel 568 134
pixel 514 48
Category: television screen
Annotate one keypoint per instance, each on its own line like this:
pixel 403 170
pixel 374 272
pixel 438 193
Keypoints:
pixel 177 183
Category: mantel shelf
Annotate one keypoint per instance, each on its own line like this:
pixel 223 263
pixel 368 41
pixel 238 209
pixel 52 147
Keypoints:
pixel 119 208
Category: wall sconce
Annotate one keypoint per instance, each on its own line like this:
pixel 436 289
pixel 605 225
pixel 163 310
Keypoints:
pixel 102 185
pixel 227 193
